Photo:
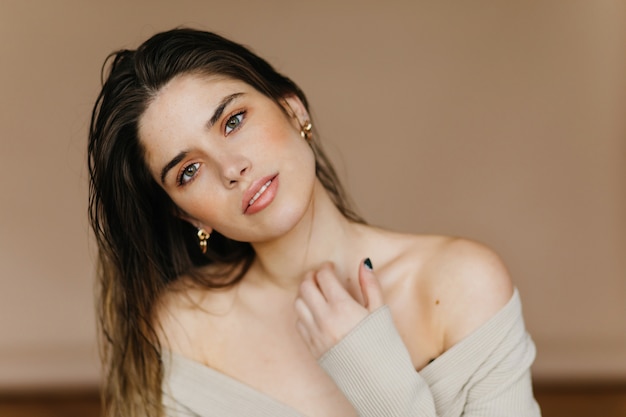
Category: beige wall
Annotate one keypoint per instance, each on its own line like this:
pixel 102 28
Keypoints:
pixel 500 121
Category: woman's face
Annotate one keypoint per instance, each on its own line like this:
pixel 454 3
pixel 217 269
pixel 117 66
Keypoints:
pixel 229 157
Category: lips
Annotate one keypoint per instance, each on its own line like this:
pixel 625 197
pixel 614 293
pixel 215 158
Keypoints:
pixel 260 194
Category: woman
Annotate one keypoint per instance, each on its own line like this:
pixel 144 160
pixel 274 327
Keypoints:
pixel 235 279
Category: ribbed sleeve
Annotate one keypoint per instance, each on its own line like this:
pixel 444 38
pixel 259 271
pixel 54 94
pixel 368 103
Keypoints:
pixel 485 375
pixel 373 369
pixel 191 389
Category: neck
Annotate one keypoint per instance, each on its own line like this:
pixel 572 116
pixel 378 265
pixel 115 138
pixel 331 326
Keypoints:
pixel 322 235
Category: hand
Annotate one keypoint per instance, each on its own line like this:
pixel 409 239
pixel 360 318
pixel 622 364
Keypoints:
pixel 327 312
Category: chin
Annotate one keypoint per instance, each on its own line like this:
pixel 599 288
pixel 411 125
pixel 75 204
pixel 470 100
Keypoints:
pixel 287 219
pixel 282 219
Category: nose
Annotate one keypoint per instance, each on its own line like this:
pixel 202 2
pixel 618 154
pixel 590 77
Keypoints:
pixel 234 168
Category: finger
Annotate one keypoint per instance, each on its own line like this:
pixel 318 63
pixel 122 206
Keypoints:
pixel 312 296
pixel 310 341
pixel 304 333
pixel 304 314
pixel 370 287
pixel 329 284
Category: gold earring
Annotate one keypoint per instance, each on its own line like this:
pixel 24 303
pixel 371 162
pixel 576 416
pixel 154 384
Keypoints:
pixel 305 130
pixel 203 238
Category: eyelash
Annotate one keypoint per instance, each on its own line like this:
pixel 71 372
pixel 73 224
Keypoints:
pixel 239 115
pixel 180 180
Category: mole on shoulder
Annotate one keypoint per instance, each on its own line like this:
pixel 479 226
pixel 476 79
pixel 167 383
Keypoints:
pixel 437 302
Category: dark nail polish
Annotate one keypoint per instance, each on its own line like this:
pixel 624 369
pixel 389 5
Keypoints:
pixel 368 264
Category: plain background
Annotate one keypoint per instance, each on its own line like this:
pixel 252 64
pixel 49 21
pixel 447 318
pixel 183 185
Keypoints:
pixel 499 121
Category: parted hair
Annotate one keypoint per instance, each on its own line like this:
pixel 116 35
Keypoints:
pixel 143 245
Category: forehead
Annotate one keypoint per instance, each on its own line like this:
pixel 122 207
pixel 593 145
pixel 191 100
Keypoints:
pixel 181 108
pixel 186 96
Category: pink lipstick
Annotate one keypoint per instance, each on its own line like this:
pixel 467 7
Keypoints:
pixel 260 194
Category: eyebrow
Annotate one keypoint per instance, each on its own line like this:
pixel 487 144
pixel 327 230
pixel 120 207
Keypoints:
pixel 220 108
pixel 171 164
pixel 216 115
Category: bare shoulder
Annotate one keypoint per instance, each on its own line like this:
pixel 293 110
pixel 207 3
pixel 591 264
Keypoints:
pixel 172 314
pixel 181 309
pixel 439 288
pixel 470 283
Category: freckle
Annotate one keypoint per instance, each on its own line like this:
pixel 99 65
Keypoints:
pixel 437 302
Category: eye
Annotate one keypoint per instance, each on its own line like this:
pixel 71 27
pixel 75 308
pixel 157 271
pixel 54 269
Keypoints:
pixel 233 122
pixel 188 173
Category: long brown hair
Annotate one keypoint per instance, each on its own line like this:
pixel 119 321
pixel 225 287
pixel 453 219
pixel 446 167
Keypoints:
pixel 142 245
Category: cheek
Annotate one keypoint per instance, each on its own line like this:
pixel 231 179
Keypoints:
pixel 201 204
pixel 277 132
pixel 287 147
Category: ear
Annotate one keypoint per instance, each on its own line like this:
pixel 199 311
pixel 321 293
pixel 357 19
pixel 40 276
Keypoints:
pixel 296 109
pixel 195 223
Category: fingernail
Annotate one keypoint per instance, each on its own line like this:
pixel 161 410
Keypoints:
pixel 368 264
